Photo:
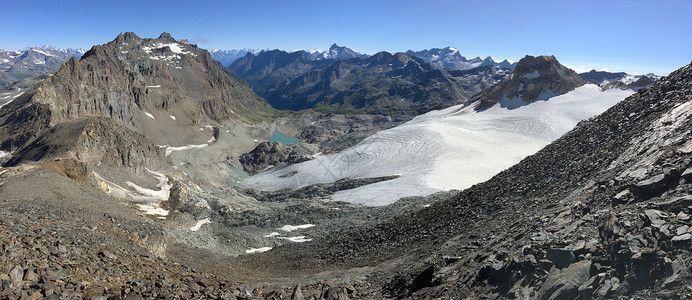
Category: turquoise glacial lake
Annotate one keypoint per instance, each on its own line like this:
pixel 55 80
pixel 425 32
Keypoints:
pixel 282 138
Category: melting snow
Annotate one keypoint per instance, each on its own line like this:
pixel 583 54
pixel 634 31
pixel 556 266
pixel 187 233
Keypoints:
pixel 175 47
pixel 296 239
pixel 199 224
pixel 258 250
pixel 152 209
pixel 148 196
pixel 170 150
pixel 447 149
pixel 290 228
pixel 4 154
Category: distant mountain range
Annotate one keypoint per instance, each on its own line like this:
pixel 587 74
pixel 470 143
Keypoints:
pixel 344 81
pixel 32 61
pixel 227 57
pixel 449 58
pixel 620 80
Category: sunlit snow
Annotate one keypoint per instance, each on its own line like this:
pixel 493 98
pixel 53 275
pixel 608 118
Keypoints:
pixel 258 250
pixel 149 115
pixel 199 224
pixel 141 195
pixel 447 149
pixel 296 239
pixel 290 228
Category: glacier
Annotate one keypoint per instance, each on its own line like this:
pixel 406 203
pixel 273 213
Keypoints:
pixel 453 148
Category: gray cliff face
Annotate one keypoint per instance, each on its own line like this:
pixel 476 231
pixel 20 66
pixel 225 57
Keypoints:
pixel 534 78
pixel 268 154
pixel 93 141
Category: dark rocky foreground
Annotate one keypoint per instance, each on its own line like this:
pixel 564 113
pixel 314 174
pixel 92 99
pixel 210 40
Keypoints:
pixel 603 212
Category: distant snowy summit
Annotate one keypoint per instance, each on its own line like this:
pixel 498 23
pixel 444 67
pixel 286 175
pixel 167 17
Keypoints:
pixel 32 62
pixel 449 58
pixel 619 80
pixel 335 52
pixel 227 57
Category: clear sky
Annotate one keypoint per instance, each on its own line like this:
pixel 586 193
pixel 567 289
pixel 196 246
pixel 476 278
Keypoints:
pixel 622 35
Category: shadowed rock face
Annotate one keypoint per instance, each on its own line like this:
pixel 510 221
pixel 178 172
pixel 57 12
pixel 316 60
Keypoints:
pixel 132 81
pixel 534 78
pixel 93 141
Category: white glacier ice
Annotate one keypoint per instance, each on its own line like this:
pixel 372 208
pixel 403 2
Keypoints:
pixel 452 148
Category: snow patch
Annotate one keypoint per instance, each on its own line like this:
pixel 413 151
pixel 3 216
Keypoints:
pixel 175 48
pixel 258 250
pixel 3 172
pixel 154 86
pixel 172 117
pixel 41 51
pixel 141 195
pixel 152 209
pixel 532 75
pixel 289 228
pixel 296 239
pixel 273 234
pixel 199 224
pixel 4 154
pixel 149 115
pixel 170 150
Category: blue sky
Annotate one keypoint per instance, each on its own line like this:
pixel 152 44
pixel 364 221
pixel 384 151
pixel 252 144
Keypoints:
pixel 621 35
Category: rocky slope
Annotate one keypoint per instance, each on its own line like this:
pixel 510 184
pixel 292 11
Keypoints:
pixel 603 212
pixel 534 78
pixel 384 83
pixel 153 86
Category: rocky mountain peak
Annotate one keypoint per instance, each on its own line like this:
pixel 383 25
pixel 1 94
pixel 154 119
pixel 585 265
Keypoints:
pixel 127 37
pixel 534 78
pixel 166 37
pixel 143 84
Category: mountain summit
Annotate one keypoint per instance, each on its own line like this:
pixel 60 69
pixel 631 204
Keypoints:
pixel 534 78
pixel 449 58
pixel 158 87
pixel 339 53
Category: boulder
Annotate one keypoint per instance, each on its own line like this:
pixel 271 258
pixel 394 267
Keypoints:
pixel 564 284
pixel 561 257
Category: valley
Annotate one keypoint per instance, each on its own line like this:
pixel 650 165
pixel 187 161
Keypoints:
pixel 148 169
